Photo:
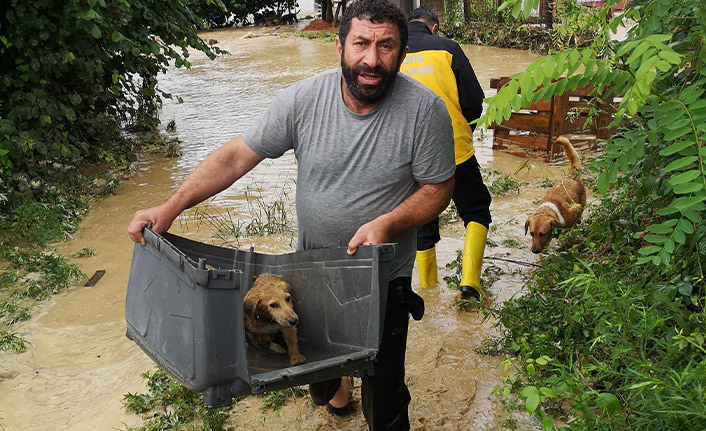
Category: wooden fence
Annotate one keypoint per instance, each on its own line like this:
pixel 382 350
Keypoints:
pixel 538 126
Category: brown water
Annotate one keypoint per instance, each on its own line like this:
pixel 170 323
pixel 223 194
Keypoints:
pixel 79 364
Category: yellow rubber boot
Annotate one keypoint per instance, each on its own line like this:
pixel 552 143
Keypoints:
pixel 472 262
pixel 426 265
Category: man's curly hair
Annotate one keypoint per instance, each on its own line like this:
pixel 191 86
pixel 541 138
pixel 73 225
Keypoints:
pixel 376 11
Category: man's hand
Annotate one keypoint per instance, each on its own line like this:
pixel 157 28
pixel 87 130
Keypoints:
pixel 374 232
pixel 419 208
pixel 160 217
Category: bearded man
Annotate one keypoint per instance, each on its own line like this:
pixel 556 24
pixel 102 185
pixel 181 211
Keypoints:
pixel 375 160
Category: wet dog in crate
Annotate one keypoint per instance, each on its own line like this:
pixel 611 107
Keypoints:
pixel 268 309
pixel 562 206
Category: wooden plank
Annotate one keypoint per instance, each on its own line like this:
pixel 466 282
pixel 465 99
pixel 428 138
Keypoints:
pixel 534 142
pixel 94 279
pixel 538 122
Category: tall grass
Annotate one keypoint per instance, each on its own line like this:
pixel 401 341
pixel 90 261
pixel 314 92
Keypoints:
pixel 621 345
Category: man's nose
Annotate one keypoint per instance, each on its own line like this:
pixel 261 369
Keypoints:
pixel 371 57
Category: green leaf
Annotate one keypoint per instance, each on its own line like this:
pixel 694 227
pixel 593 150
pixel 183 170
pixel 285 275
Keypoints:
pixel 671 135
pixel 527 7
pixel 548 423
pixel 670 56
pixel 603 182
pixel 660 228
pixel 116 36
pixel 676 147
pixel 505 6
pixel 649 249
pixel 646 67
pixel 679 236
pixel 684 177
pixel 681 163
pixel 637 52
pixel 531 370
pixel 95 32
pixel 693 216
pixel 684 203
pixel 655 239
pixel 686 227
pixel 531 403
pixel 548 392
pixel 516 9
pixel 687 188
pixel 609 402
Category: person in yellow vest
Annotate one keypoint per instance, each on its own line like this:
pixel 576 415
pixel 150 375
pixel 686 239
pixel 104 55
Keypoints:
pixel 440 64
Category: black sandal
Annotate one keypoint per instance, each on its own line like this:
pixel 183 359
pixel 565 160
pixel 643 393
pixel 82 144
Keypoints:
pixel 342 411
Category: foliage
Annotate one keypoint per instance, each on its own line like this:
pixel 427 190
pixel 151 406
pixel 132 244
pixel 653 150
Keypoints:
pixel 617 316
pixel 72 72
pixel 500 183
pixel 659 72
pixel 263 216
pixel 168 405
pixel 453 12
pixel 28 277
pixel 276 399
pixel 228 13
pixel 10 341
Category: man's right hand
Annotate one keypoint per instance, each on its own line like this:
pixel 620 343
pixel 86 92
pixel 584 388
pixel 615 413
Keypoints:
pixel 160 217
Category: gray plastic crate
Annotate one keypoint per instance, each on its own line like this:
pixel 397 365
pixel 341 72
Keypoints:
pixel 184 308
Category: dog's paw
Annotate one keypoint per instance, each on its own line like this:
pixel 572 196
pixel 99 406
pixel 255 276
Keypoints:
pixel 297 359
pixel 277 348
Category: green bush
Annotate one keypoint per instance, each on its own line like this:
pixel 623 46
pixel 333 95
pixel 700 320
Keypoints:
pixel 610 334
pixel 72 69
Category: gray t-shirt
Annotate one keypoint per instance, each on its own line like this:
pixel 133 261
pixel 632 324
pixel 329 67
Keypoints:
pixel 353 168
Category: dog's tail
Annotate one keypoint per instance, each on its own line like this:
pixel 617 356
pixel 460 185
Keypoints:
pixel 571 154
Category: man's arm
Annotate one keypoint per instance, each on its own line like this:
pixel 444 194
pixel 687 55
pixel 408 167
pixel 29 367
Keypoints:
pixel 216 173
pixel 470 92
pixel 419 208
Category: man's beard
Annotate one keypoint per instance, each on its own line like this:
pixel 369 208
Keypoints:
pixel 363 92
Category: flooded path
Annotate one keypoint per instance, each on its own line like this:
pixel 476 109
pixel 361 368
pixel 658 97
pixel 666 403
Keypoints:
pixel 79 364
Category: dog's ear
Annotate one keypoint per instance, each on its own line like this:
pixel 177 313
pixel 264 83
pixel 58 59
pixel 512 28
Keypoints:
pixel 290 290
pixel 526 226
pixel 250 305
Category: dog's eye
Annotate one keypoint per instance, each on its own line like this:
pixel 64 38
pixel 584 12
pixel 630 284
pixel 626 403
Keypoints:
pixel 288 299
pixel 274 305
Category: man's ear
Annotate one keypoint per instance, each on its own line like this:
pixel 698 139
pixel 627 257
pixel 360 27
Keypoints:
pixel 339 48
pixel 434 29
pixel 403 54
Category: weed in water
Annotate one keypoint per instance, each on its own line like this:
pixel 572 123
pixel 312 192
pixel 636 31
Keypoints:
pixel 500 183
pixel 12 313
pixel 266 215
pixel 449 215
pixel 42 222
pixel 31 275
pixel 85 252
pixel 168 405
pixel 10 341
pixel 511 243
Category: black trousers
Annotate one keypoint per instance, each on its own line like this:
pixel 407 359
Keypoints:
pixel 385 397
pixel 472 200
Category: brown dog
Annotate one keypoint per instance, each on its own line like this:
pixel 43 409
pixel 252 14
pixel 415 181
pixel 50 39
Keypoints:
pixel 563 204
pixel 268 309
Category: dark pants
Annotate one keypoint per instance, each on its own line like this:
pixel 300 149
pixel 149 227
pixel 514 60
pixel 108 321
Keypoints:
pixel 472 200
pixel 385 397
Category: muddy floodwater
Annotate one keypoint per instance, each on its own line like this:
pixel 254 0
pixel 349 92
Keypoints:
pixel 79 364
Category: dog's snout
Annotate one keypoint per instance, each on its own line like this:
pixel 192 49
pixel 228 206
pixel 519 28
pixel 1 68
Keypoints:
pixel 293 321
